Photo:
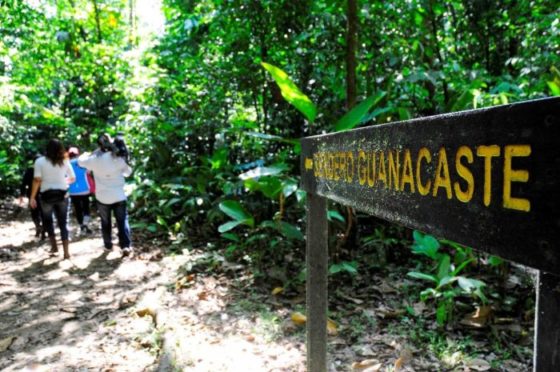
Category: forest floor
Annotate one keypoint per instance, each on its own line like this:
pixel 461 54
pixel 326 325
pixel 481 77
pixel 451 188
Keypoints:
pixel 194 311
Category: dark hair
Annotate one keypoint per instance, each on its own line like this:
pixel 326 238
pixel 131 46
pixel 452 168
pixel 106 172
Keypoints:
pixel 104 141
pixel 56 152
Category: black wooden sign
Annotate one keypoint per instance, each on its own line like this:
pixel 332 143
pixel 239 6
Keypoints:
pixel 488 178
pixel 485 178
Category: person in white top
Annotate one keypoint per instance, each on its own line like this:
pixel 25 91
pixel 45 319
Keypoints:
pixel 109 171
pixel 52 174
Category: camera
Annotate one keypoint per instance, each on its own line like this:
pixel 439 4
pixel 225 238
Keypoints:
pixel 117 146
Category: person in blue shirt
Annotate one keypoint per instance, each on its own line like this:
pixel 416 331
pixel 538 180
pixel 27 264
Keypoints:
pixel 79 192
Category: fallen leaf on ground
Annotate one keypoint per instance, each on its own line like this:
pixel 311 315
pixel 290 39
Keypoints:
pixel 419 308
pixel 478 364
pixel 6 342
pixel 479 318
pixel 387 313
pixel 331 327
pixel 364 350
pixel 277 290
pixel 298 318
pixel 145 312
pixel 367 363
pixel 203 296
pixel 385 288
pixel 404 358
pixel 357 301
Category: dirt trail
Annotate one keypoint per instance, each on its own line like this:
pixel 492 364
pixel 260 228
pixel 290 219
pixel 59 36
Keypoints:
pixel 100 312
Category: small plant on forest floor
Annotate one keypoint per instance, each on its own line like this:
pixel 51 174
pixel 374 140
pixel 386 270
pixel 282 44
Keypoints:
pixel 446 283
pixel 448 350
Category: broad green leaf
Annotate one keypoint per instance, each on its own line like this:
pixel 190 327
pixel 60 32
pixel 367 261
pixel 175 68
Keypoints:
pixel 425 244
pixel 301 195
pixel 268 223
pixel 229 225
pixel 554 88
pixel 443 266
pixel 234 210
pixel 161 221
pixel 375 113
pixel 404 113
pixel 335 215
pixel 349 267
pixel 441 313
pixel 423 276
pixel 353 117
pixel 219 158
pixel 270 186
pixel 469 285
pixel 264 171
pixel 463 101
pixel 495 261
pixel 462 266
pixel 264 136
pixel 231 236
pixel 289 187
pixel 445 281
pixel 291 92
pixel 290 231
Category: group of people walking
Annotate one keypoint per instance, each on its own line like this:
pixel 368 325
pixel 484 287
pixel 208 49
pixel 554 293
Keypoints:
pixel 61 177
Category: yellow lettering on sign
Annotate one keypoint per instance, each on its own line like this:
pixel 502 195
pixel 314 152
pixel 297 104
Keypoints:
pixel 394 167
pixel 362 169
pixel 316 166
pixel 515 175
pixel 464 173
pixel 488 152
pixel 407 176
pixel 338 166
pixel 371 169
pixel 341 166
pixel 442 178
pixel 308 163
pixel 423 153
pixel 398 172
pixel 382 170
pixel 349 160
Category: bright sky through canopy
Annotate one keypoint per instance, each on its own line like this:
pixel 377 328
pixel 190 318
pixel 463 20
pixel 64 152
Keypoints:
pixel 150 18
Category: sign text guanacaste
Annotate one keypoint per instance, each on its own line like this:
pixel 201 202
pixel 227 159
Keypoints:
pixel 484 178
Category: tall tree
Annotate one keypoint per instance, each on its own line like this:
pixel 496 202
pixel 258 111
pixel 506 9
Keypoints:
pixel 351 46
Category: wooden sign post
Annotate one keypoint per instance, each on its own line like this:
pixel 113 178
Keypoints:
pixel 488 179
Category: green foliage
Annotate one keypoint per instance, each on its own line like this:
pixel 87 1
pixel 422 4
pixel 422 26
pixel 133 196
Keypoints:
pixel 445 282
pixel 234 210
pixel 344 267
pixel 356 114
pixel 291 92
pixel 207 126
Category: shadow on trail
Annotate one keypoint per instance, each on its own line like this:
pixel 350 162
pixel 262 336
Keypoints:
pixel 38 267
pixel 100 265
pixel 46 294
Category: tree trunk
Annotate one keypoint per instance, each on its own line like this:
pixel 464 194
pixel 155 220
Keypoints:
pixel 131 22
pixel 97 22
pixel 351 96
pixel 439 54
pixel 351 46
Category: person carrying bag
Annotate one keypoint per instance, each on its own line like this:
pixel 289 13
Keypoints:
pixel 51 176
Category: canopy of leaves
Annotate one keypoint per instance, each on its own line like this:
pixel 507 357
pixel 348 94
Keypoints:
pixel 199 111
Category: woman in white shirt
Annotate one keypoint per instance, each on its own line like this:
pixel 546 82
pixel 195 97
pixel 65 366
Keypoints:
pixel 51 176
